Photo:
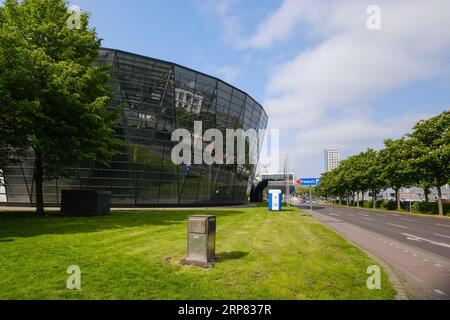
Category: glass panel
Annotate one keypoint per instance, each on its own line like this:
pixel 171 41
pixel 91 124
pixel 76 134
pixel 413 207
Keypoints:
pixel 158 97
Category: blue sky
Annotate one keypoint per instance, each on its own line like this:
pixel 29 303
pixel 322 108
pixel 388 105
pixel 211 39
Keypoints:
pixel 324 78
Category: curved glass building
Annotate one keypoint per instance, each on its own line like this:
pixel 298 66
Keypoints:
pixel 159 97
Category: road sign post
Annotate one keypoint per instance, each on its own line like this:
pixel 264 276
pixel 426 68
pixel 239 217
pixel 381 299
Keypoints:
pixel 309 182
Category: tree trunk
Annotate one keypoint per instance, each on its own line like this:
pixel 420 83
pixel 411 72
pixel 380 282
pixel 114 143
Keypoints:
pixel 357 199
pixel 348 200
pixel 397 198
pixel 426 191
pixel 440 206
pixel 374 199
pixel 39 181
pixel 362 195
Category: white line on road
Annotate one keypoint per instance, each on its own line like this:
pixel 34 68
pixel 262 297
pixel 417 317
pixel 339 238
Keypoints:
pixel 406 219
pixel 442 225
pixel 368 219
pixel 439 291
pixel 441 235
pixel 438 265
pixel 397 225
pixel 362 214
pixel 416 238
pixel 335 214
pixel 351 215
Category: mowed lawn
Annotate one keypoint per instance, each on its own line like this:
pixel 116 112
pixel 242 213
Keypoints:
pixel 136 255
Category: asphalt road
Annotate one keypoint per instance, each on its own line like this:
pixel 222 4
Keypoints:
pixel 416 247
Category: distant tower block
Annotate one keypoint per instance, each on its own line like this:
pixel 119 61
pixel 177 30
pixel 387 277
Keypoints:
pixel 332 158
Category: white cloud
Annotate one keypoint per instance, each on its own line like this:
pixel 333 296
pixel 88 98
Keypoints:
pixel 324 96
pixel 282 23
pixel 350 66
pixel 349 135
pixel 231 24
pixel 227 73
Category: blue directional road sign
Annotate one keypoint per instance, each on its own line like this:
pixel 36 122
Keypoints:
pixel 309 182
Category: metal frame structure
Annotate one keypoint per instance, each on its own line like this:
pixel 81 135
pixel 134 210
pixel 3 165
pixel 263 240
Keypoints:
pixel 142 174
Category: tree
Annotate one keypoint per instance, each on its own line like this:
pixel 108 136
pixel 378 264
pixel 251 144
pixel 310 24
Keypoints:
pixel 372 176
pixel 397 168
pixel 328 184
pixel 356 175
pixel 431 143
pixel 54 97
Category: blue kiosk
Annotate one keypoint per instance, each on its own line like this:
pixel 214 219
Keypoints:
pixel 275 200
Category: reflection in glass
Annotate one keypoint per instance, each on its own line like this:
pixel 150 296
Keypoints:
pixel 158 97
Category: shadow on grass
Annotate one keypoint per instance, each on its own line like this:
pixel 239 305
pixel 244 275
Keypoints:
pixel 25 224
pixel 231 255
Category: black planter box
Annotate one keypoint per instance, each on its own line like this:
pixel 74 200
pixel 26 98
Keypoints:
pixel 85 202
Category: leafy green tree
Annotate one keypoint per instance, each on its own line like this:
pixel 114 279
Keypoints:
pixel 54 97
pixel 431 143
pixel 397 166
pixel 355 168
pixel 327 186
pixel 372 176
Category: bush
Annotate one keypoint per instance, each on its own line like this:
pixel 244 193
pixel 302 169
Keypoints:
pixel 380 203
pixel 367 204
pixel 430 207
pixel 389 205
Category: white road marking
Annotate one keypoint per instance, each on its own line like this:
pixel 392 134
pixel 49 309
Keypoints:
pixel 416 238
pixel 368 219
pixel 406 219
pixel 438 265
pixel 442 225
pixel 441 235
pixel 362 214
pixel 351 215
pixel 335 214
pixel 397 225
pixel 439 291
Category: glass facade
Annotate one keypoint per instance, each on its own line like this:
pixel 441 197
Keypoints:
pixel 159 97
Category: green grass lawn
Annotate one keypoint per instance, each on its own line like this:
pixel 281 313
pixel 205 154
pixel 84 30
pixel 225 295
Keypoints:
pixel 136 255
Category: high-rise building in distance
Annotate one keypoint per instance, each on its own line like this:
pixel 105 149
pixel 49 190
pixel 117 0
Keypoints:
pixel 331 159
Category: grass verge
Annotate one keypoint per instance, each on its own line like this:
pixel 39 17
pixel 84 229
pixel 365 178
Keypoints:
pixel 136 255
